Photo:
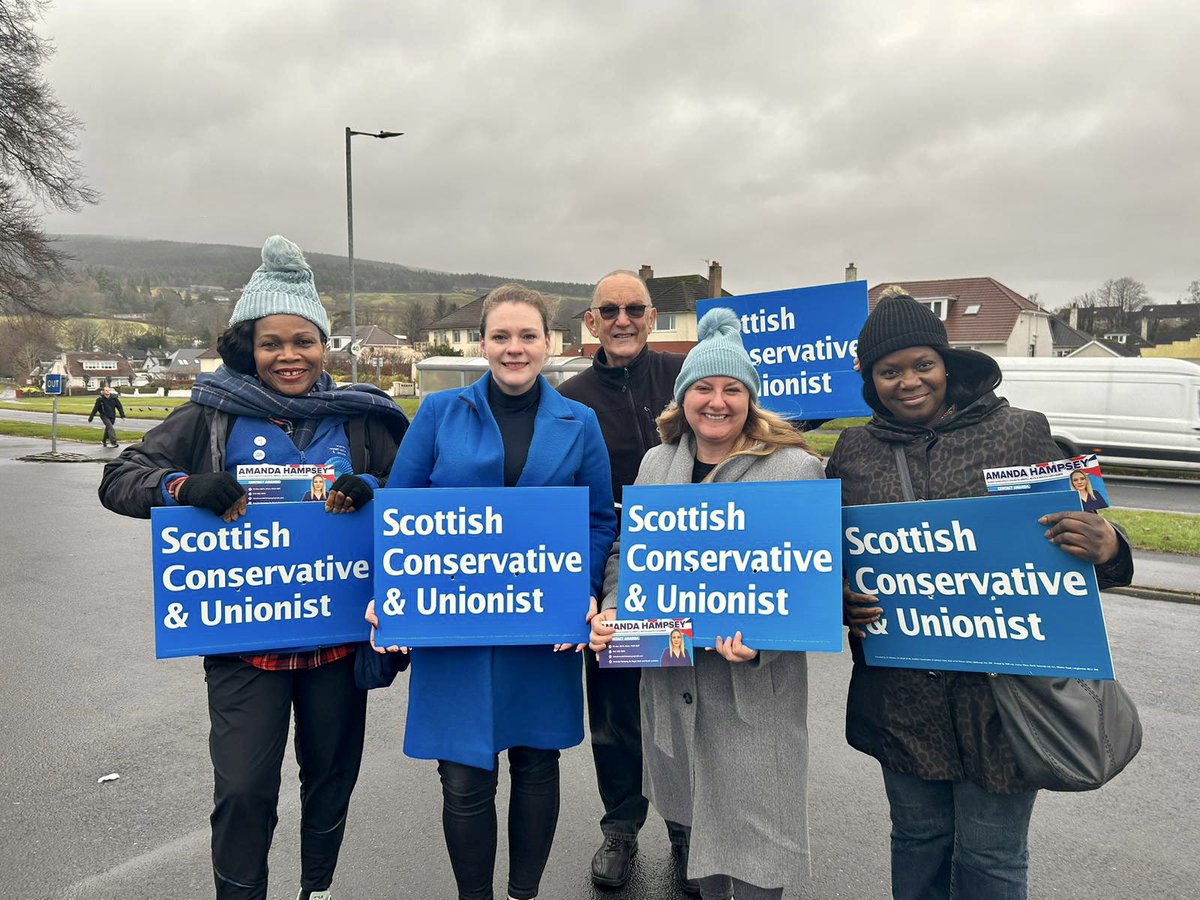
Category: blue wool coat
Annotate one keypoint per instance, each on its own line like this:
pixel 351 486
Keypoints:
pixel 465 704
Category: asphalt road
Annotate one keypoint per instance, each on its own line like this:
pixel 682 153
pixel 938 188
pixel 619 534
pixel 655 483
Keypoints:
pixel 1154 493
pixel 83 697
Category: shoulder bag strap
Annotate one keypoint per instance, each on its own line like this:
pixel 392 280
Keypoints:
pixel 905 476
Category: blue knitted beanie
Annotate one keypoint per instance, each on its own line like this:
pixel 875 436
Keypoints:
pixel 282 285
pixel 719 352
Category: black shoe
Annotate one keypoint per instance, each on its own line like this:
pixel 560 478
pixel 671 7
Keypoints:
pixel 115 445
pixel 689 886
pixel 613 861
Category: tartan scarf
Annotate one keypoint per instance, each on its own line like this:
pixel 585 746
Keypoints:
pixel 244 395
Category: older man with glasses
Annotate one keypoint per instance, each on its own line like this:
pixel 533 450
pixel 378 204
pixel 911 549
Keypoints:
pixel 628 386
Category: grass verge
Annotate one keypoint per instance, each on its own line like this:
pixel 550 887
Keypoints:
pixel 135 407
pixel 84 434
pixel 1159 531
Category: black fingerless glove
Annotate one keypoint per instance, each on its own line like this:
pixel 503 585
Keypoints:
pixel 359 492
pixel 217 491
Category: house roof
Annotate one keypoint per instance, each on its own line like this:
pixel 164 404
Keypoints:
pixel 999 306
pixel 210 353
pixel 679 293
pixel 75 369
pixel 1064 337
pixel 468 317
pixel 371 336
pixel 1114 349
pixel 1171 311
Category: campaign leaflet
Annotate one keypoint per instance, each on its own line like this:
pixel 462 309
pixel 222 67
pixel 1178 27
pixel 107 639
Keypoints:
pixel 802 342
pixel 267 483
pixel 1078 473
pixel 974 585
pixel 649 644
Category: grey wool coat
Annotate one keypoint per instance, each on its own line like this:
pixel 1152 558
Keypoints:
pixel 725 745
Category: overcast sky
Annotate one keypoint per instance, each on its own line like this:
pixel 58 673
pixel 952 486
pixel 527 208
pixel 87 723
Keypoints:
pixel 1051 145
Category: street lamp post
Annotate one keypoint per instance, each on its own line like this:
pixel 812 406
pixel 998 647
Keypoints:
pixel 350 237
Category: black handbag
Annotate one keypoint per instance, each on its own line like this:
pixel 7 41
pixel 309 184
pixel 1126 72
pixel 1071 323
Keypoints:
pixel 376 670
pixel 1067 734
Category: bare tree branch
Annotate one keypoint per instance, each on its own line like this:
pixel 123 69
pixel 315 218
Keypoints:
pixel 37 162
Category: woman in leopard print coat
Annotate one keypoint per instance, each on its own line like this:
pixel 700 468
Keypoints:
pixel 959 806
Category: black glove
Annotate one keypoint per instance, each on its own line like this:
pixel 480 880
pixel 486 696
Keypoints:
pixel 359 492
pixel 217 491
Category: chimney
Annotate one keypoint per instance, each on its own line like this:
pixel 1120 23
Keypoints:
pixel 852 272
pixel 1145 327
pixel 645 272
pixel 714 279
pixel 1073 316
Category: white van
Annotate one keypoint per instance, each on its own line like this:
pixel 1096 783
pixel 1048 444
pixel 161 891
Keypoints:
pixel 1131 412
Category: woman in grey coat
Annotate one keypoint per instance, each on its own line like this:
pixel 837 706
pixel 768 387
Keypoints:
pixel 725 742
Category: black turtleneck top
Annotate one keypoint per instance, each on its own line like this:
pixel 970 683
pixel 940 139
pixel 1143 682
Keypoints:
pixel 515 417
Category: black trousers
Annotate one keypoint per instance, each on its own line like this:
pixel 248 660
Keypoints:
pixel 615 720
pixel 469 821
pixel 250 710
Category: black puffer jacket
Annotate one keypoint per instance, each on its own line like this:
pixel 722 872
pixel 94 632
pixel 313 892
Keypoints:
pixel 192 440
pixel 940 725
pixel 627 400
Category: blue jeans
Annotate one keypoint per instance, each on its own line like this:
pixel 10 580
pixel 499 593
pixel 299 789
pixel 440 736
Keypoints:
pixel 952 839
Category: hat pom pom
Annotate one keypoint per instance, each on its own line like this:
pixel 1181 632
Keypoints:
pixel 720 320
pixel 280 254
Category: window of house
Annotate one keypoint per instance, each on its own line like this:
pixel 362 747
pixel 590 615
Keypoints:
pixel 100 365
pixel 940 305
pixel 473 336
pixel 972 309
pixel 457 337
pixel 666 322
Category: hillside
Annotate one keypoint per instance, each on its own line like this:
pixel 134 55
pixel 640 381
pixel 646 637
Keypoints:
pixel 180 264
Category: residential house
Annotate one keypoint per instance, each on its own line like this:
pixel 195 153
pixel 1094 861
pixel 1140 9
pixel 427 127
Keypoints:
pixel 982 314
pixel 674 296
pixel 92 371
pixel 459 329
pixel 1070 341
pixel 388 353
pixel 209 361
pixel 184 365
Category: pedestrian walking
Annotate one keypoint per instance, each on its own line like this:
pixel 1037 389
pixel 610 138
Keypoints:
pixel 108 407
pixel 271 402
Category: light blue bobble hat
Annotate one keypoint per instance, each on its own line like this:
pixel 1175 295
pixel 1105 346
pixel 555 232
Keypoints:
pixel 719 352
pixel 282 285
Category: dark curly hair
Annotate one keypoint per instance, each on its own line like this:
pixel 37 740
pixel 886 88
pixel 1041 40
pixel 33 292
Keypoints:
pixel 236 346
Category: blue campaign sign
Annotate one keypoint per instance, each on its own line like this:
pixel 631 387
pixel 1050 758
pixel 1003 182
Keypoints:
pixel 53 383
pixel 974 585
pixel 803 343
pixel 763 558
pixel 481 566
pixel 285 575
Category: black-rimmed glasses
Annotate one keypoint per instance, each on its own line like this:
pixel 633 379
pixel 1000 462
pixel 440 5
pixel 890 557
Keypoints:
pixel 610 311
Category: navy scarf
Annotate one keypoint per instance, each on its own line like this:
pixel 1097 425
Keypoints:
pixel 244 395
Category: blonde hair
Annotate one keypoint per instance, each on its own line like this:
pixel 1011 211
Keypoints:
pixel 894 290
pixel 1086 480
pixel 763 434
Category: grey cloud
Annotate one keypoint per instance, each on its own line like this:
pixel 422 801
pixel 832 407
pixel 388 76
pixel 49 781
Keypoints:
pixel 1049 145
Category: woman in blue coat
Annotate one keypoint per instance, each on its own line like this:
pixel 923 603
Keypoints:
pixel 466 704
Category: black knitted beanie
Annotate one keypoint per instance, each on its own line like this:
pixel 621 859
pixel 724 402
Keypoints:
pixel 895 323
